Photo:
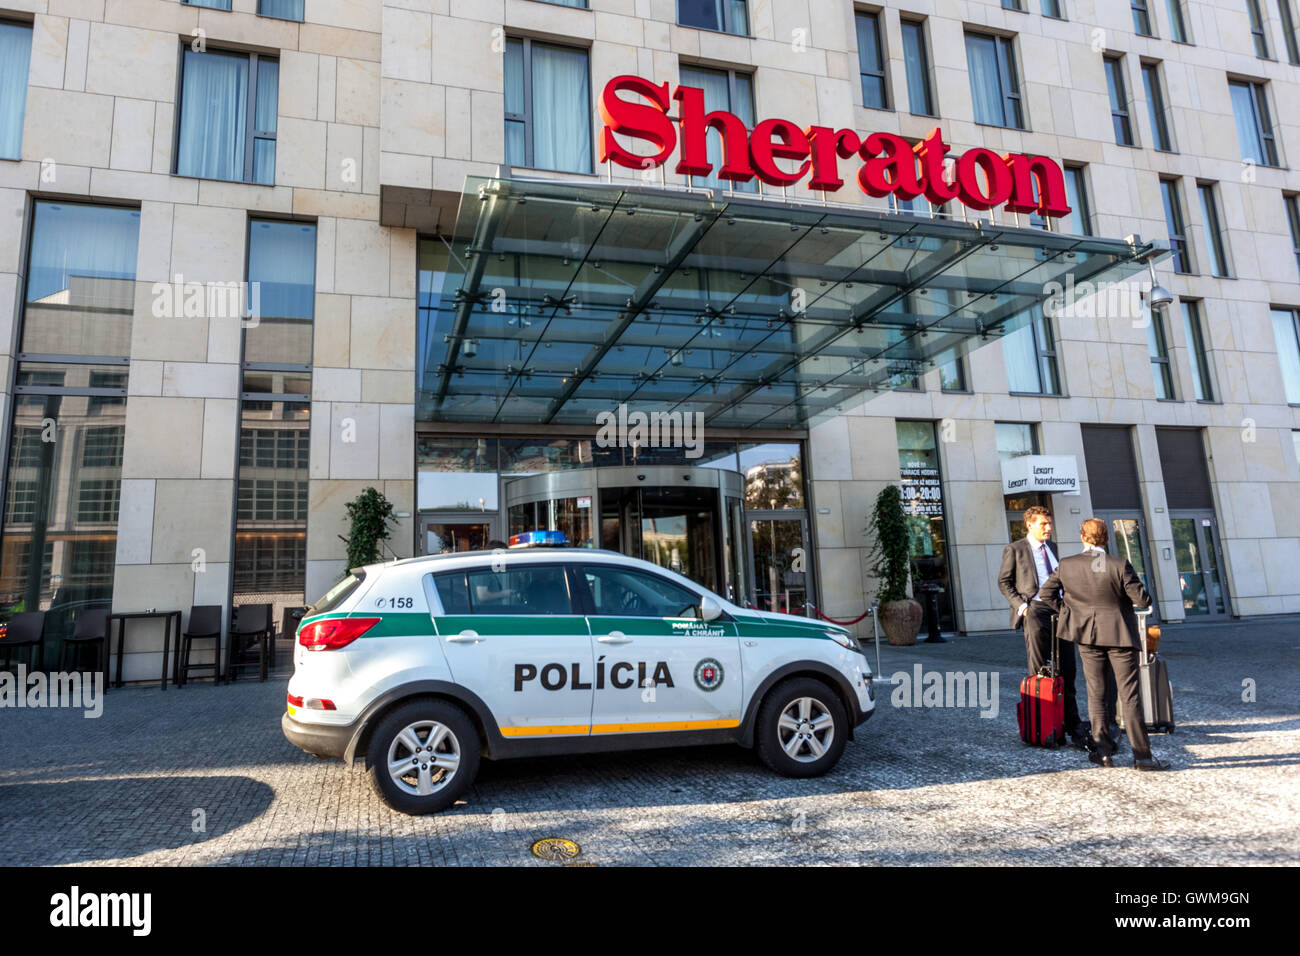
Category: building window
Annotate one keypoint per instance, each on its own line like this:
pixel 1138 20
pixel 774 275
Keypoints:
pixel 1286 332
pixel 228 117
pixel 1013 5
pixel 208 4
pixel 1177 25
pixel 723 90
pixel 1257 31
pixel 1118 100
pixel 1254 124
pixel 103 447
pixel 994 86
pixel 1141 18
pixel 1030 355
pixel 281 9
pixel 952 372
pixel 871 61
pixel 1202 386
pixel 1214 241
pixel 1293 220
pixel 548 107
pixel 725 16
pixel 1295 440
pixel 916 60
pixel 15 56
pixel 1174 222
pixel 1016 440
pixel 1156 106
pixel 1053 9
pixel 1158 349
pixel 1288 30
pixel 1079 221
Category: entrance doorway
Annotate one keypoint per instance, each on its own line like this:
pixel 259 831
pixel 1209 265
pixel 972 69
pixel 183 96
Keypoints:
pixel 1199 557
pixel 1128 539
pixel 781 549
pixel 440 534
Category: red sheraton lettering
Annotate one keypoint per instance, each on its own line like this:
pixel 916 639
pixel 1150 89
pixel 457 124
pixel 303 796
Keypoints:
pixel 891 165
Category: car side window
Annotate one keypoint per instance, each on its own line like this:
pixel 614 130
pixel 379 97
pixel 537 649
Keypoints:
pixel 452 592
pixel 620 592
pixel 525 590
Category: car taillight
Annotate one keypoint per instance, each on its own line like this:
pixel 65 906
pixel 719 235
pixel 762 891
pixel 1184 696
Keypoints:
pixel 294 701
pixel 332 634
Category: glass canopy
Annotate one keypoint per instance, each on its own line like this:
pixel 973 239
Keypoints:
pixel 555 302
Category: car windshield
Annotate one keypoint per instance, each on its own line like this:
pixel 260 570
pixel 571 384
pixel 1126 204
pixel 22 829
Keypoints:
pixel 337 594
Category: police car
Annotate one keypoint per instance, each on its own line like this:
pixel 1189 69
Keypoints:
pixel 424 666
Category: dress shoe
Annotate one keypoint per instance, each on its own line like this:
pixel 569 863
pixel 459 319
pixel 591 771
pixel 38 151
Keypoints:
pixel 1080 739
pixel 1150 763
pixel 1101 759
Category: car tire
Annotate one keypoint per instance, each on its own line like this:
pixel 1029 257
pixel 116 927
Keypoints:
pixel 437 778
pixel 802 728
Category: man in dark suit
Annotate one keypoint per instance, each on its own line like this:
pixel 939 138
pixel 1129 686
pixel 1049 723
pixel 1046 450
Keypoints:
pixel 1096 613
pixel 1026 566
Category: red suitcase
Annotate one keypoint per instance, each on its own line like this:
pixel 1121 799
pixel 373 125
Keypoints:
pixel 1041 710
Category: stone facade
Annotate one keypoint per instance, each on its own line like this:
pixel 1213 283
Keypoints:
pixel 385 107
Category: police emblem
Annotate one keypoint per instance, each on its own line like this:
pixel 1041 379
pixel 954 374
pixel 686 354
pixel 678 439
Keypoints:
pixel 708 674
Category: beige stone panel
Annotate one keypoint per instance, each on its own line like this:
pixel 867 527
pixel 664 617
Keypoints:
pixel 275 199
pixel 319 453
pixel 84 9
pixel 74 71
pixel 164 438
pixel 220 437
pixel 125 61
pixel 873 449
pixel 459 125
pixel 13 208
pixel 613 28
pixel 332 327
pixel 402 247
pixel 336 384
pixel 136 587
pixel 153 263
pixel 208 243
pixel 975 512
pixel 1284 501
pixel 1246 511
pixel 413 118
pixel 318 202
pixel 347 14
pixel 132 144
pixel 450 173
pixel 300 153
pixel 382 333
pixel 842 577
pixel 326 229
pixel 49 48
pixel 1245 568
pixel 200 380
pixel 166 337
pixel 971 565
pixel 164 118
pixel 20 175
pixel 397 437
pixel 135 521
pixel 488 143
pixel 370 162
pixel 225 343
pixel 416 172
pixel 67 127
pixel 829 448
pixel 408 45
pixel 190 515
pixel 387 387
pixel 327 519
pixel 356 92
pixel 145 378
pixel 328 90
pixel 1281 558
pixel 249 30
pixel 322 575
pixel 354 440
pixel 830 525
pixel 299 90
pixel 362 261
pixel 123 184
pixel 175 18
pixel 331 41
pixel 345 158
pixel 562 23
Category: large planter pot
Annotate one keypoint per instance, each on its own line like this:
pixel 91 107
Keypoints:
pixel 901 621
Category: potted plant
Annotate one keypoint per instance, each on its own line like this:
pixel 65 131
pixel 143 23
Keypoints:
pixel 899 615
pixel 370 514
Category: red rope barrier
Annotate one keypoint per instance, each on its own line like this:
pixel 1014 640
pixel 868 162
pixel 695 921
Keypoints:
pixel 841 623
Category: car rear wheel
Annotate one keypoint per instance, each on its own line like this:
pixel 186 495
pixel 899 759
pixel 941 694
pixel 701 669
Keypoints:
pixel 423 756
pixel 802 728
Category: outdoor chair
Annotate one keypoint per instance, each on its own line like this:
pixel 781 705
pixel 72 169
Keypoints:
pixel 26 630
pixel 290 619
pixel 92 630
pixel 249 624
pixel 205 624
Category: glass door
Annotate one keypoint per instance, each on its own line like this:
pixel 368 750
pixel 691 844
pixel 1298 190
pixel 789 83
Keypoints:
pixel 780 547
pixel 443 534
pixel 1128 539
pixel 1196 550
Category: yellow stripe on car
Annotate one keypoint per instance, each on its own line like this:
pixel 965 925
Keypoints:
pixel 619 728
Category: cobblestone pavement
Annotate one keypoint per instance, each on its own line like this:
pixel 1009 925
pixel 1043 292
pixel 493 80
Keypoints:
pixel 918 786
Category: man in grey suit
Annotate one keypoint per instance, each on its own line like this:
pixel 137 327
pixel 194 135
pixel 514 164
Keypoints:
pixel 1096 613
pixel 1026 566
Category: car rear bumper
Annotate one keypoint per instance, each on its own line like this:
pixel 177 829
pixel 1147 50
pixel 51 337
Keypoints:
pixel 323 741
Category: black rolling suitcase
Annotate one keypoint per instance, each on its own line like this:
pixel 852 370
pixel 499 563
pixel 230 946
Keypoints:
pixel 1154 691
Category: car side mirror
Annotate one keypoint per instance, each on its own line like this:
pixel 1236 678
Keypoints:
pixel 710 610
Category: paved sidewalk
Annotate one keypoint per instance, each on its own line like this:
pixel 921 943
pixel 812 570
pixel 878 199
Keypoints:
pixel 918 786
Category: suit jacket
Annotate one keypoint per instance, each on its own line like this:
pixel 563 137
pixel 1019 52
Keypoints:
pixel 1018 579
pixel 1101 592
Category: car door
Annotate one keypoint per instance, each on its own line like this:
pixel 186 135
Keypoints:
pixel 512 637
pixel 658 666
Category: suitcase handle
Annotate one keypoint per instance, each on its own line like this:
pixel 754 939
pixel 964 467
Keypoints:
pixel 1142 614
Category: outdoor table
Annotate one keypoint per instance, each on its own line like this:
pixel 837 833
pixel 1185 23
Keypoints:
pixel 167 639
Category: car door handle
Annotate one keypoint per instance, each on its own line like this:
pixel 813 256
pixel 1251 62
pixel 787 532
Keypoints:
pixel 465 637
pixel 617 637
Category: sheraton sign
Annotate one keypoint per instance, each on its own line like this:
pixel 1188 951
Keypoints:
pixel 980 178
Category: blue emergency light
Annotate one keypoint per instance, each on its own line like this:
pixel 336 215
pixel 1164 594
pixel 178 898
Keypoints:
pixel 539 539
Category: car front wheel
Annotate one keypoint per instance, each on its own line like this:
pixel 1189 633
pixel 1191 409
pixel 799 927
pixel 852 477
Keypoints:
pixel 802 728
pixel 423 756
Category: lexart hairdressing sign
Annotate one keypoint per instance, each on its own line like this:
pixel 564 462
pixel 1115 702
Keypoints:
pixel 1058 474
pixel 636 108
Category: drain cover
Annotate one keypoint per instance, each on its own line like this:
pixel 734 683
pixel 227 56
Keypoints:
pixel 556 848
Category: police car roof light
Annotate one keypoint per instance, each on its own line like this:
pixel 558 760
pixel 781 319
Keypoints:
pixel 539 539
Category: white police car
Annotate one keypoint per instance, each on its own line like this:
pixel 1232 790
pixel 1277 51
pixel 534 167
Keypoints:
pixel 422 666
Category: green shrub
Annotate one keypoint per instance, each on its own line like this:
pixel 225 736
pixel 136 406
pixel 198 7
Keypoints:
pixel 370 514
pixel 890 548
